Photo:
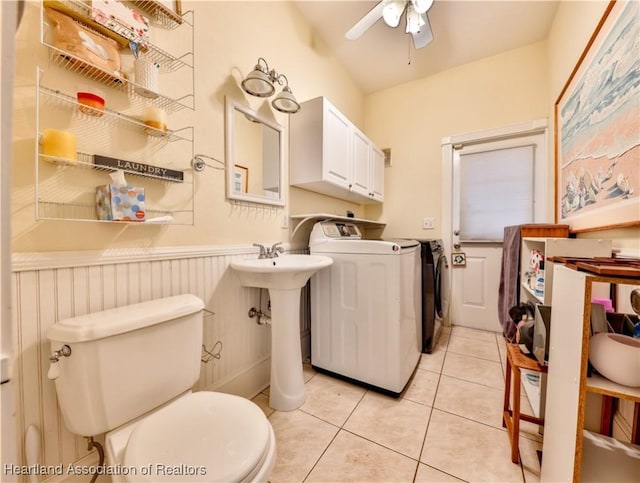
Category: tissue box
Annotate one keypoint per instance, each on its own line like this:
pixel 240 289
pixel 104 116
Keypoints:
pixel 120 203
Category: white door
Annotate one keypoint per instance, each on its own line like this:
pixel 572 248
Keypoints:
pixel 492 162
pixel 476 287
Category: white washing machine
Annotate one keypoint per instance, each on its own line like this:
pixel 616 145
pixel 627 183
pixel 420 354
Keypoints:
pixel 366 319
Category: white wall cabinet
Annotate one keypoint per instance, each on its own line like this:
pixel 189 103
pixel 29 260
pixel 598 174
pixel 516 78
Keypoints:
pixel 367 167
pixel 329 155
pixel 571 453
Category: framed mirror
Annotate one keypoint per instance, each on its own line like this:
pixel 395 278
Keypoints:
pixel 254 148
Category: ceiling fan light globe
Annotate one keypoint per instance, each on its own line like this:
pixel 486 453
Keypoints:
pixel 392 12
pixel 414 21
pixel 422 6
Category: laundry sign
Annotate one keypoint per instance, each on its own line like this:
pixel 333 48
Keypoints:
pixel 138 168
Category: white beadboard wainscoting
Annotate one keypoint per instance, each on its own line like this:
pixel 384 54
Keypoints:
pixel 48 287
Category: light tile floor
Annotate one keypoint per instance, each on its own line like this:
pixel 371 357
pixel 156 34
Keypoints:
pixel 447 426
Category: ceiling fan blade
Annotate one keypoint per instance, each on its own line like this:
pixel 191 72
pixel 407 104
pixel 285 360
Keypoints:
pixel 366 22
pixel 424 36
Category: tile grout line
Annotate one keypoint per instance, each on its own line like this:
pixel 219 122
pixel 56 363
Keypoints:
pixel 426 431
pixel 340 428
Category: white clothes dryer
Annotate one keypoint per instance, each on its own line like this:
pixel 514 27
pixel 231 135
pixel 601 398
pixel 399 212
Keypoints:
pixel 366 319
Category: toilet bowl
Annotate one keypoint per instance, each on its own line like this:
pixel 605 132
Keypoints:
pixel 128 372
pixel 201 436
pixel 616 357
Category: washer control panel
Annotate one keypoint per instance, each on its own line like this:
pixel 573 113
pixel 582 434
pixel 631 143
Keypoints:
pixel 338 229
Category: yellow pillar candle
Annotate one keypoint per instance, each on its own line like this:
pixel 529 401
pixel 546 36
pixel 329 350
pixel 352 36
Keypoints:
pixel 155 118
pixel 59 144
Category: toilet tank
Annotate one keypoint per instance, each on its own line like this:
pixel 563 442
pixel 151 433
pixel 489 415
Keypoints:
pixel 126 361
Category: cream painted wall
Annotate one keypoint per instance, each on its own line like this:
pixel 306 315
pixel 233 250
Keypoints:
pixel 229 38
pixel 412 119
pixel 515 86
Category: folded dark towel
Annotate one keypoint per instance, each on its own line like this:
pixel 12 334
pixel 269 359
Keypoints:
pixel 508 289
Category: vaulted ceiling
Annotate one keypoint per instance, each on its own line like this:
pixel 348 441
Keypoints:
pixel 464 31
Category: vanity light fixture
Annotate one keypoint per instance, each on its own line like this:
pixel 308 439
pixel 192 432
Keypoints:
pixel 260 83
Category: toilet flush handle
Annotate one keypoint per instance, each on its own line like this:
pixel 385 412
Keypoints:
pixel 54 358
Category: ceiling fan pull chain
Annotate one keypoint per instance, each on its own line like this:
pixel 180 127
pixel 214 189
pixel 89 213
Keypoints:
pixel 409 45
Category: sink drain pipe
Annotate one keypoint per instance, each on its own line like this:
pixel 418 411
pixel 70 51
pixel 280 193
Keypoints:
pixel 263 319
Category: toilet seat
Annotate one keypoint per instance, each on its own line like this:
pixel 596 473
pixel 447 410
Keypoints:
pixel 203 436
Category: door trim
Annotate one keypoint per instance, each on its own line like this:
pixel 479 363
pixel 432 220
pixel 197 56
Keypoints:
pixel 537 126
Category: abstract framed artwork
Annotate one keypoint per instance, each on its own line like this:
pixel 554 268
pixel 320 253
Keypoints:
pixel 597 128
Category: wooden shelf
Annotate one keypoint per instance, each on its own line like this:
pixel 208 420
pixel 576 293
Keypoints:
pixel 601 385
pixel 544 230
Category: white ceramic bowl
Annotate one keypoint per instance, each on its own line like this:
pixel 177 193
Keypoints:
pixel 616 357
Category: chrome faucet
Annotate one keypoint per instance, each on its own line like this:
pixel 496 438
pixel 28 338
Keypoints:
pixel 276 248
pixel 266 252
pixel 263 251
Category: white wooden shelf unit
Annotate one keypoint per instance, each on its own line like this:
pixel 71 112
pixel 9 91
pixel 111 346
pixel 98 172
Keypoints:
pixel 570 452
pixel 534 385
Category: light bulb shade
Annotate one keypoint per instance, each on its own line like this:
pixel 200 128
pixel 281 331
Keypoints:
pixel 421 6
pixel 286 102
pixel 392 12
pixel 414 21
pixel 257 83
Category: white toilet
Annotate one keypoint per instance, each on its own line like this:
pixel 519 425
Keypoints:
pixel 129 373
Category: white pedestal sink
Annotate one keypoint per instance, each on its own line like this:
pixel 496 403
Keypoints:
pixel 284 276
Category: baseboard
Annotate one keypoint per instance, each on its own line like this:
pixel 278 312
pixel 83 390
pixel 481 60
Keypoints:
pixel 83 464
pixel 247 383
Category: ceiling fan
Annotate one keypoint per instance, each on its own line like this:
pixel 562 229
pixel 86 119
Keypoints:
pixel 391 11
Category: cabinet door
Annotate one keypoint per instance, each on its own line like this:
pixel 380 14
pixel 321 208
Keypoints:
pixel 376 183
pixel 336 147
pixel 361 174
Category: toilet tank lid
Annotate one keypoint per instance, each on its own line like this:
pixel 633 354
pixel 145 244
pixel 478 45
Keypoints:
pixel 107 323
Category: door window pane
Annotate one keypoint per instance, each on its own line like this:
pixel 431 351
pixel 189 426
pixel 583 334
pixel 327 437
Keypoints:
pixel 496 190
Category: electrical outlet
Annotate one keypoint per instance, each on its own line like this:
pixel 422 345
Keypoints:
pixel 427 224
